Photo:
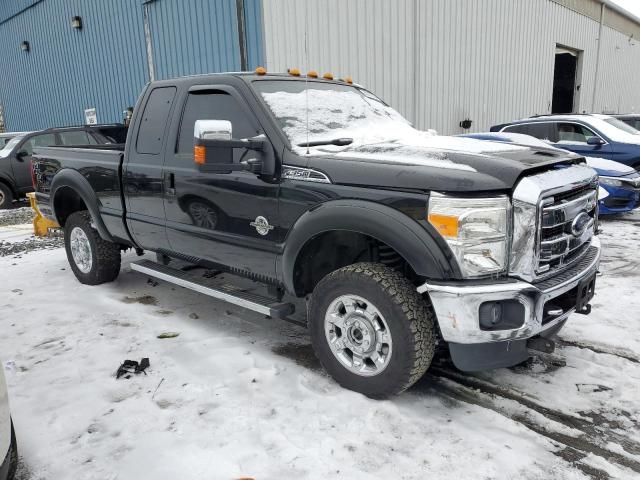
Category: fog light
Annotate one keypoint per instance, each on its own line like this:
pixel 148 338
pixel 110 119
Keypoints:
pixel 501 315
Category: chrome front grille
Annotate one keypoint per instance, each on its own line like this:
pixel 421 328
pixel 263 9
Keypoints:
pixel 546 207
pixel 567 224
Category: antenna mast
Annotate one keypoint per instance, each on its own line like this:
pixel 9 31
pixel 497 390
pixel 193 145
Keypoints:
pixel 306 54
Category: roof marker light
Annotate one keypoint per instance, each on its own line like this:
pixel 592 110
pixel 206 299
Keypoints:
pixel 261 71
pixel 349 80
pixel 312 74
pixel 328 76
pixel 294 71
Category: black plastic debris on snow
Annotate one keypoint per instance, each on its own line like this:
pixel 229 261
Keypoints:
pixel 129 367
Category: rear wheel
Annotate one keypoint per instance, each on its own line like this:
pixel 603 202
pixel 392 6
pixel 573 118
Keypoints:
pixel 371 330
pixel 6 196
pixel 92 259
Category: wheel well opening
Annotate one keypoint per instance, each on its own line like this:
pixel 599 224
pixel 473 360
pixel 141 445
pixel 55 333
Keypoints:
pixel 332 250
pixel 8 185
pixel 66 202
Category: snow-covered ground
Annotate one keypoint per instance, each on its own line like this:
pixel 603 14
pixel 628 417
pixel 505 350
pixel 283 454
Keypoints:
pixel 238 395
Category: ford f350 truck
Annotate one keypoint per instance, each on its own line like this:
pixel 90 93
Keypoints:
pixel 399 240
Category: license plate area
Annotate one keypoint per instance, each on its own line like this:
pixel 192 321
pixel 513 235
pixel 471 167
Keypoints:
pixel 578 298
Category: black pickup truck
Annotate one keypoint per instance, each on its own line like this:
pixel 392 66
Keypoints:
pixel 399 240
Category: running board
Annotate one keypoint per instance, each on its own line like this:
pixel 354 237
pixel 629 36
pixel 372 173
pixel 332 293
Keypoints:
pixel 251 301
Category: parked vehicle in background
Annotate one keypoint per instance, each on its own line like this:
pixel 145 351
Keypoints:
pixel 399 240
pixel 8 446
pixel 15 158
pixel 631 119
pixel 6 136
pixel 620 182
pixel 590 135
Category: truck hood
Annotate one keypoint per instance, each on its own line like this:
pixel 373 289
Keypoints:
pixel 452 164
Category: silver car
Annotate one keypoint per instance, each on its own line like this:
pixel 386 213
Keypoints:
pixel 8 448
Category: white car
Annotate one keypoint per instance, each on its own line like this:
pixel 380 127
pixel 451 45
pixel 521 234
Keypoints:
pixel 8 448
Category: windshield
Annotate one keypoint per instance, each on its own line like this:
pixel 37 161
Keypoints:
pixel 335 111
pixel 621 125
pixel 9 146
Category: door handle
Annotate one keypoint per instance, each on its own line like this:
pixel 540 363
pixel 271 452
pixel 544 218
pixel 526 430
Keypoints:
pixel 171 183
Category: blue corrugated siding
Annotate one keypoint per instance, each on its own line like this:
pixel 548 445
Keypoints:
pixel 8 8
pixel 67 70
pixel 194 36
pixel 254 33
pixel 105 64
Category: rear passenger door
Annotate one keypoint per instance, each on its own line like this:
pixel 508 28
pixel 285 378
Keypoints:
pixel 142 173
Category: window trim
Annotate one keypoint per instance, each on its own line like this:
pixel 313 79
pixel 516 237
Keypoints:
pixel 588 127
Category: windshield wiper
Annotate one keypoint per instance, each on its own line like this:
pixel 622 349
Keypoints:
pixel 339 142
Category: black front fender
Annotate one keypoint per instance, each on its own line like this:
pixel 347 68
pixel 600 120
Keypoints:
pixel 74 180
pixel 428 257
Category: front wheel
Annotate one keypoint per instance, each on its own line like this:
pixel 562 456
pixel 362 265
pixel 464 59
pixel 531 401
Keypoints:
pixel 6 196
pixel 371 330
pixel 92 259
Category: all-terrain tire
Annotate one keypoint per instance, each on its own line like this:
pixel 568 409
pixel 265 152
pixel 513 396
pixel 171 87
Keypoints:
pixel 6 196
pixel 409 317
pixel 105 256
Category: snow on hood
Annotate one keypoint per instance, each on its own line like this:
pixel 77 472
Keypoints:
pixel 377 130
pixel 610 165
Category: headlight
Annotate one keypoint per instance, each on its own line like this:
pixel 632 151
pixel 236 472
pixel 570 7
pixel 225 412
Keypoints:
pixel 612 182
pixel 476 230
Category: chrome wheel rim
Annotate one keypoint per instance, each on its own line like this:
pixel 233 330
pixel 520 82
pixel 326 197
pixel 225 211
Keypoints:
pixel 2 197
pixel 358 335
pixel 81 250
pixel 203 215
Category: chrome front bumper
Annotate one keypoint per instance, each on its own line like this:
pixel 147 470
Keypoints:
pixel 457 307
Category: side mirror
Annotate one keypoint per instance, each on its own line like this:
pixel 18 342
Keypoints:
pixel 21 154
pixel 212 130
pixel 214 145
pixel 595 141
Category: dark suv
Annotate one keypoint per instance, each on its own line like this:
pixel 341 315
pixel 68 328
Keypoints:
pixel 15 157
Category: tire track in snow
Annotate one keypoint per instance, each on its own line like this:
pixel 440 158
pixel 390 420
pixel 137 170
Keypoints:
pixel 599 349
pixel 593 437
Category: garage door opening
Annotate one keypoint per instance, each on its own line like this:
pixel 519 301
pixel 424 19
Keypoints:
pixel 564 81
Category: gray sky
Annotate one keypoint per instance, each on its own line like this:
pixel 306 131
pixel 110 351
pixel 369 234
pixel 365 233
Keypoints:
pixel 631 5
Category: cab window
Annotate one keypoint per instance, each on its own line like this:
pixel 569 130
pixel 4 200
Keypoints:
pixel 540 130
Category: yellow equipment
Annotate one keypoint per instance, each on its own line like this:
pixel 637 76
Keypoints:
pixel 41 225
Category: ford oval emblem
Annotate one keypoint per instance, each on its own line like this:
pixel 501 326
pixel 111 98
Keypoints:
pixel 580 224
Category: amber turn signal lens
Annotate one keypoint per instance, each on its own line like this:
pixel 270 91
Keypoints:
pixel 294 71
pixel 312 74
pixel 199 154
pixel 446 225
pixel 349 80
pixel 261 71
pixel 328 76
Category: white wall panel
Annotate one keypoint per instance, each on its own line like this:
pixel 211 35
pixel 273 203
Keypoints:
pixel 441 61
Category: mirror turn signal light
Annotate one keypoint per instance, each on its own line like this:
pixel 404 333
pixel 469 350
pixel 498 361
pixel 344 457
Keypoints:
pixel 200 154
pixel 446 225
pixel 312 74
pixel 261 71
pixel 328 76
pixel 293 71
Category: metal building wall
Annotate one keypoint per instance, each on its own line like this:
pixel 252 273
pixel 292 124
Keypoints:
pixel 68 70
pixel 442 61
pixel 201 36
pixel 105 64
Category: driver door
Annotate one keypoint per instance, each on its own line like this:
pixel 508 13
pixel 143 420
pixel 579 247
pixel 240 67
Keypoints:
pixel 21 160
pixel 224 217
